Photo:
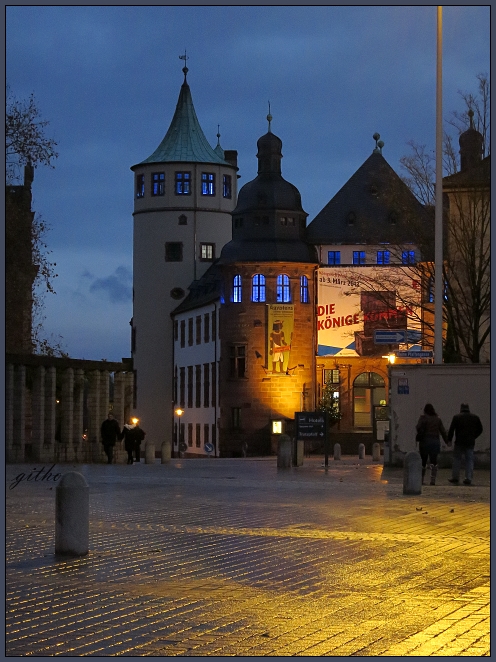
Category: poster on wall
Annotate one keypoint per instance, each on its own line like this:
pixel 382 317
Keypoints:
pixel 354 302
pixel 280 326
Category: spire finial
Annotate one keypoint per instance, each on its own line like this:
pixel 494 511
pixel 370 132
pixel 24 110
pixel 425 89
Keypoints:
pixel 379 144
pixel 269 117
pixel 218 134
pixel 185 68
pixel 471 117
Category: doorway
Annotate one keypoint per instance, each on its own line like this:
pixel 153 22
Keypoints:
pixel 369 389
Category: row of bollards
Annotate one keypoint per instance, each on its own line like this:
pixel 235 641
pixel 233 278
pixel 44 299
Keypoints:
pixel 376 452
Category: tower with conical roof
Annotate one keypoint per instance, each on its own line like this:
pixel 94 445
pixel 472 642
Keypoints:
pixel 183 197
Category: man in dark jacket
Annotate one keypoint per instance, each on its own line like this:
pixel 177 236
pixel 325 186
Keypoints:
pixel 466 427
pixel 133 435
pixel 110 432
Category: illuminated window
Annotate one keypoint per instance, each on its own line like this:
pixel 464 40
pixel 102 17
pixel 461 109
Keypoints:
pixel 383 257
pixel 158 183
pixel 358 257
pixel 226 186
pixel 183 182
pixel 207 252
pixel 283 292
pixel 333 257
pixel 140 186
pixel 304 289
pixel 408 257
pixel 331 376
pixel 237 289
pixel 258 288
pixel 208 183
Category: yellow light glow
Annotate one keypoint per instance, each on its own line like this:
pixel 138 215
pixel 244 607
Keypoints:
pixel 135 421
pixel 179 412
pixel 391 358
pixel 276 427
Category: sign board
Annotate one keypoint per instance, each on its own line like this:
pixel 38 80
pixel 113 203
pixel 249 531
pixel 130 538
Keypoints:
pixel 354 301
pixel 389 336
pixel 412 354
pixel 403 388
pixel 310 425
pixel 209 448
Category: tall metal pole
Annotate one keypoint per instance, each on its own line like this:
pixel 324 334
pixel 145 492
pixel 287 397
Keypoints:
pixel 438 223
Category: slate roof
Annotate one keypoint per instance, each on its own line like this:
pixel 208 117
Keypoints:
pixel 268 250
pixel 478 175
pixel 185 140
pixel 206 289
pixel 374 206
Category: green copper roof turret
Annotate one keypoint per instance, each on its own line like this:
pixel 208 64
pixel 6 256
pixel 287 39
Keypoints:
pixel 185 140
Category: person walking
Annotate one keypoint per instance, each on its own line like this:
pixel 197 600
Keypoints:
pixel 429 427
pixel 465 427
pixel 110 433
pixel 133 435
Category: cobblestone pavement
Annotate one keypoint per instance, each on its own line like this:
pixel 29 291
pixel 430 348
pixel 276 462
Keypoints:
pixel 233 557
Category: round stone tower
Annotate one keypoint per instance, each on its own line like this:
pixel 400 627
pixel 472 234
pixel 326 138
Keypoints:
pixel 184 194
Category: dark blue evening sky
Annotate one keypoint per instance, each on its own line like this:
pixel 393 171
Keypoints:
pixel 107 78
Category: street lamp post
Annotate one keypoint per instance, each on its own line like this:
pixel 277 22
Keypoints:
pixel 179 412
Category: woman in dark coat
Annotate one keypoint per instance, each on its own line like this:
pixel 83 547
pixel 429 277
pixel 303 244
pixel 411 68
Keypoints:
pixel 430 427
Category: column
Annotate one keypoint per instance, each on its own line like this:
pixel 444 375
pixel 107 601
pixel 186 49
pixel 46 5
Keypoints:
pixel 67 414
pixel 50 413
pixel 38 412
pixel 77 421
pixel 19 418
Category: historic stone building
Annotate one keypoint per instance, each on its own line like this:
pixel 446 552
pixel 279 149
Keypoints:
pixel 256 364
pixel 369 237
pixel 183 197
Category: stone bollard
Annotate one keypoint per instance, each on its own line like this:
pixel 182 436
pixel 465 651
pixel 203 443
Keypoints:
pixel 166 451
pixel 149 452
pixel 361 451
pixel 72 515
pixel 376 452
pixel 284 452
pixel 412 473
pixel 337 451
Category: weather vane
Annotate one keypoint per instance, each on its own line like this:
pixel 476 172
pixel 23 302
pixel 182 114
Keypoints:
pixel 185 58
pixel 269 116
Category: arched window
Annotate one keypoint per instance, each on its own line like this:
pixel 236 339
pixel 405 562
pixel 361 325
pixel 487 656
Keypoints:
pixel 303 289
pixel 283 291
pixel 258 288
pixel 237 290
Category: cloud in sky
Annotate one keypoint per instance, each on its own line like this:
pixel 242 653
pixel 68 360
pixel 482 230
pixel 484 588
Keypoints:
pixel 118 287
pixel 108 78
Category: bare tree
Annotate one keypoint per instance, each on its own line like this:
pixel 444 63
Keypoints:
pixel 466 240
pixel 29 271
pixel 25 139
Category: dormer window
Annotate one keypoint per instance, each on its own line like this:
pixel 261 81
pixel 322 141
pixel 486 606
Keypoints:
pixel 393 218
pixel 183 219
pixel 287 220
pixel 351 218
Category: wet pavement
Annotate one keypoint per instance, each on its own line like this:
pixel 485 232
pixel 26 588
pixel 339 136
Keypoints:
pixel 233 557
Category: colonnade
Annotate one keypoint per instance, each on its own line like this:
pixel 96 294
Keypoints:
pixel 55 407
